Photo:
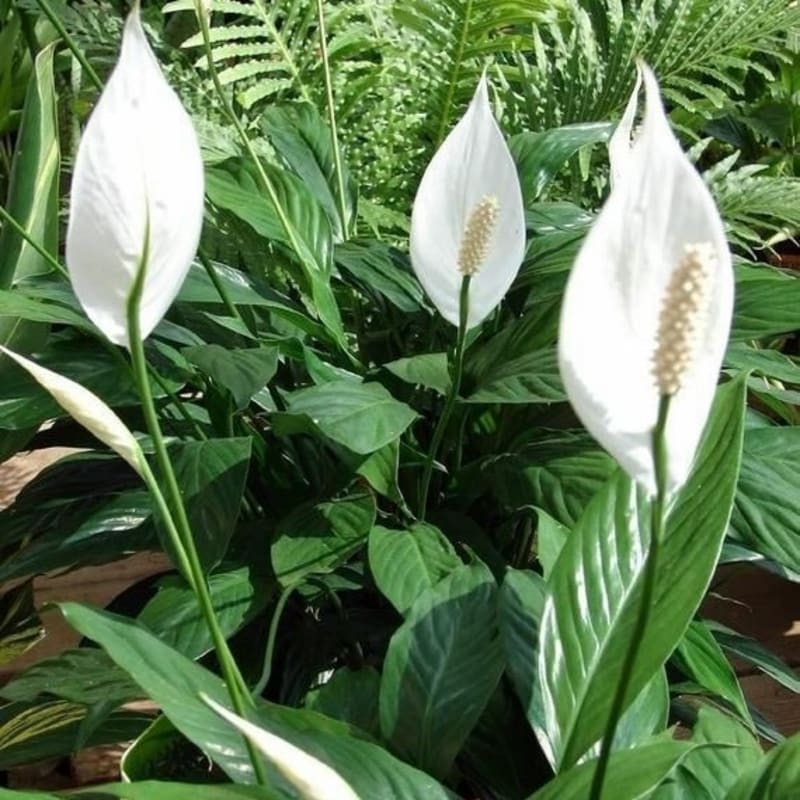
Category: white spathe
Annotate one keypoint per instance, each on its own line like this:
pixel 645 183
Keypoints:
pixel 138 169
pixel 86 408
pixel 659 206
pixel 312 779
pixel 472 164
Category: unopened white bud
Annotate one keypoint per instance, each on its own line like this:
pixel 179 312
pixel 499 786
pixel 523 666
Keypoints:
pixel 683 317
pixel 477 235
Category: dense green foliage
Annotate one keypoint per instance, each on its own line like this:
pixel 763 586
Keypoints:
pixel 299 378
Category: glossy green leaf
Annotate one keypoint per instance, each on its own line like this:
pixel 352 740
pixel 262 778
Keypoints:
pixel 522 598
pixel 406 563
pixel 86 675
pixel 35 732
pixel 559 474
pixel 540 156
pixel 530 378
pixel 381 271
pixel 551 536
pixel 175 683
pixel 700 658
pixel 632 774
pixel 157 790
pixel 212 473
pixel 775 778
pixel 380 470
pixel 350 696
pixel 766 306
pixel 303 141
pixel 755 653
pixel 242 372
pixel 429 370
pixel 319 537
pixel 33 191
pixel 595 587
pixel 766 515
pixel 441 668
pixel 174 615
pixel 362 417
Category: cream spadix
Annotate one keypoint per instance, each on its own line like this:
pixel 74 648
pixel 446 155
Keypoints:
pixel 468 216
pixel 138 175
pixel 86 408
pixel 647 308
pixel 312 779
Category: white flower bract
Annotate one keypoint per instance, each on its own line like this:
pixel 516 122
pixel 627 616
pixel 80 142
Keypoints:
pixel 312 779
pixel 630 330
pixel 138 169
pixel 468 217
pixel 86 408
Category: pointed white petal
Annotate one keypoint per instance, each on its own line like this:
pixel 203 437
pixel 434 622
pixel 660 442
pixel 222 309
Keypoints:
pixel 613 299
pixel 472 163
pixel 620 143
pixel 312 779
pixel 86 408
pixel 138 159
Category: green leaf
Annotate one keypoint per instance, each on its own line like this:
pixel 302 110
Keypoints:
pixel 30 733
pixel 558 474
pixel 522 598
pixel 33 191
pixel 550 538
pixel 350 696
pixel 717 768
pixel 766 515
pixel 540 156
pixel 775 778
pixel 406 563
pixel 441 668
pixel 766 306
pixel 319 537
pixel 175 683
pixel 174 615
pixel 303 140
pixel 429 370
pixel 595 587
pixel 632 774
pixel 84 676
pixel 380 471
pixel 156 790
pixel 381 271
pixel 241 372
pixel 20 626
pixel 530 378
pixel 700 658
pixel 360 416
pixel 211 475
pixel 769 363
pixel 756 654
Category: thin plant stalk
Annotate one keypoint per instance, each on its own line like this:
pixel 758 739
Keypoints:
pixel 176 519
pixel 48 257
pixel 55 21
pixel 456 373
pixel 337 154
pixel 266 670
pixel 657 513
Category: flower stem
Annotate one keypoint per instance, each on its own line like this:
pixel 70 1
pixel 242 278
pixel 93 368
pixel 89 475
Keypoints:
pixel 657 508
pixel 176 520
pixel 456 372
pixel 337 155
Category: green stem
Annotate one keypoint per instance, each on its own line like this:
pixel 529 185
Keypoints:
pixel 657 509
pixel 48 257
pixel 176 519
pixel 70 42
pixel 452 396
pixel 266 670
pixel 337 155
pixel 219 286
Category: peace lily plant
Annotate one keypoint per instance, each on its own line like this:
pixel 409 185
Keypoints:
pixel 644 326
pixel 467 235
